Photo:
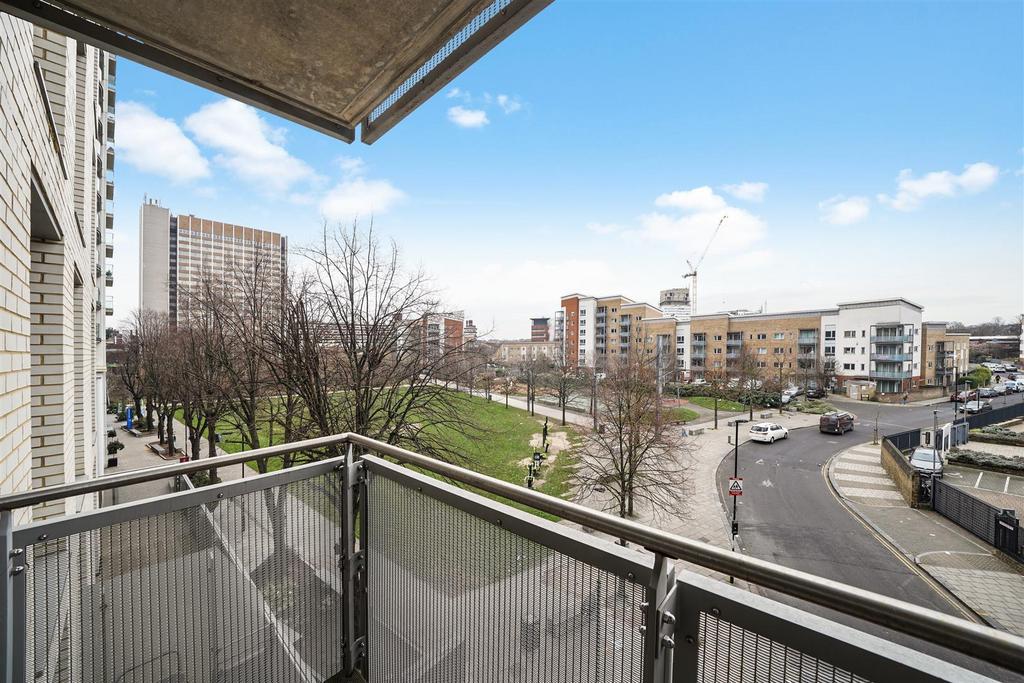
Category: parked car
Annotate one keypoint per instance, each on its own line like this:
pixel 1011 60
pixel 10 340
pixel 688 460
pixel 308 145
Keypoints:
pixel 986 392
pixel 835 423
pixel 999 389
pixel 768 432
pixel 786 397
pixel 964 396
pixel 815 392
pixel 1012 386
pixel 927 461
pixel 975 407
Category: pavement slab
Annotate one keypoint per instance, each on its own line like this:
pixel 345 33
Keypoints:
pixel 984 580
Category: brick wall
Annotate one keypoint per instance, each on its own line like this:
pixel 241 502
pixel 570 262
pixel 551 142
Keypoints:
pixel 37 278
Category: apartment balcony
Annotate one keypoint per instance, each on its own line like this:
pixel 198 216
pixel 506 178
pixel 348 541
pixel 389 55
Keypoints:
pixel 697 353
pixel 807 338
pixel 734 343
pixel 890 374
pixel 109 244
pixel 109 308
pixel 892 357
pixel 807 355
pixel 110 158
pixel 892 339
pixel 109 278
pixel 109 221
pixel 359 568
pixel 110 190
pixel 110 128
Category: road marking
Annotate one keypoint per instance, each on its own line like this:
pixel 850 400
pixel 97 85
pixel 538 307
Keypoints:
pixel 862 479
pixel 759 461
pixel 767 483
pixel 833 442
pixel 978 483
pixel 862 457
pixel 872 493
pixel 1006 486
pixel 874 469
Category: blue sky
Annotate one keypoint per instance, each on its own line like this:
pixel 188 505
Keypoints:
pixel 859 150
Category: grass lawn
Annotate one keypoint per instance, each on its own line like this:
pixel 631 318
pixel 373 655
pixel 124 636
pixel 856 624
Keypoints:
pixel 497 451
pixel 723 404
pixel 680 414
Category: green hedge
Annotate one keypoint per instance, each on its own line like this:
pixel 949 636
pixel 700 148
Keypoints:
pixel 995 434
pixel 814 407
pixel 986 461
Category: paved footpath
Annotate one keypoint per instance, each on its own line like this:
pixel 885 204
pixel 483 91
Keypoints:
pixel 988 583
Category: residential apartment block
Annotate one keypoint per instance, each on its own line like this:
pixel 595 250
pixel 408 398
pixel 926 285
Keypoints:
pixel 177 252
pixel 877 340
pixel 882 341
pixel 526 351
pixel 540 329
pixel 57 109
pixel 441 332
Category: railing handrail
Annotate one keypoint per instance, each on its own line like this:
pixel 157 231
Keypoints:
pixel 13 501
pixel 958 634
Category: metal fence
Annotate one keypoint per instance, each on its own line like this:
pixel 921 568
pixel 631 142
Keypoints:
pixel 361 565
pixel 904 441
pixel 996 415
pixel 997 527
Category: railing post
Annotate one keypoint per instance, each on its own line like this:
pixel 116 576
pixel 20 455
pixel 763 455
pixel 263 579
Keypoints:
pixel 12 604
pixel 660 623
pixel 353 482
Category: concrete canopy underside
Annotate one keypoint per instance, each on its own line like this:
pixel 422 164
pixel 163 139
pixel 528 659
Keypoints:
pixel 327 64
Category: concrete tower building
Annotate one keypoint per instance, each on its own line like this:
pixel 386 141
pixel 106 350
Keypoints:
pixel 177 252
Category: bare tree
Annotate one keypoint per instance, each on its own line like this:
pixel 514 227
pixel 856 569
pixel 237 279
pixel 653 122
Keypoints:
pixel 631 460
pixel 128 372
pixel 566 381
pixel 355 344
pixel 744 370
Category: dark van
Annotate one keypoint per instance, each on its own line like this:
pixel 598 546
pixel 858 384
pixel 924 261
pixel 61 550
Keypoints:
pixel 835 423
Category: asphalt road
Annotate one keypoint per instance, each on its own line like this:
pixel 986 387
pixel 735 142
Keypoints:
pixel 788 514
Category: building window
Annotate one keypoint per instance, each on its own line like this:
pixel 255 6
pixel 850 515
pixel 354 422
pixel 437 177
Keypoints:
pixel 718 350
pixel 848 366
pixel 861 366
pixel 762 335
pixel 718 337
pixel 779 335
pixel 761 351
pixel 761 364
pixel 849 334
pixel 830 335
pixel 849 349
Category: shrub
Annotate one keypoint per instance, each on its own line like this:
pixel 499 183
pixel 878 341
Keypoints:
pixel 979 377
pixel 987 461
pixel 993 434
pixel 814 407
pixel 111 434
pixel 203 478
pixel 114 446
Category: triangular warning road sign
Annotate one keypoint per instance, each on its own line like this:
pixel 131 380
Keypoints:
pixel 735 486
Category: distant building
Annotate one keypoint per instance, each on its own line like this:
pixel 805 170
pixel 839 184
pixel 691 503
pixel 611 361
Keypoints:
pixel 442 332
pixel 513 352
pixel 469 332
pixel 944 355
pixel 177 252
pixel 540 329
pixel 676 303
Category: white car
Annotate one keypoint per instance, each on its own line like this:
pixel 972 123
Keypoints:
pixel 1000 388
pixel 768 432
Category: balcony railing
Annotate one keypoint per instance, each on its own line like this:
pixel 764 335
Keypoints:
pixel 892 338
pixel 889 374
pixel 734 343
pixel 354 565
pixel 892 357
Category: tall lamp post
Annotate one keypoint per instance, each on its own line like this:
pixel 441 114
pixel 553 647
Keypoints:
pixel 736 471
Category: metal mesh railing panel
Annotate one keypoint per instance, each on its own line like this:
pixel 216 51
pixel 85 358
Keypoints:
pixel 244 589
pixel 452 597
pixel 453 43
pixel 730 654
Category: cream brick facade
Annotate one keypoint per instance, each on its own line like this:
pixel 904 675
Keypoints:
pixel 53 155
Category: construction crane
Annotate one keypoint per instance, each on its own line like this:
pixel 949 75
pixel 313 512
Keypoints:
pixel 693 268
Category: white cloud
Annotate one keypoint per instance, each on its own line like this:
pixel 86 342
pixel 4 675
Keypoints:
pixel 912 191
pixel 468 118
pixel 843 210
pixel 458 94
pixel 156 145
pixel 747 191
pixel 692 228
pixel 604 228
pixel 698 199
pixel 358 198
pixel 248 145
pixel 351 165
pixel 509 104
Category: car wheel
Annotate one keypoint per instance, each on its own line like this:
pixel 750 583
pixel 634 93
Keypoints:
pixel 771 439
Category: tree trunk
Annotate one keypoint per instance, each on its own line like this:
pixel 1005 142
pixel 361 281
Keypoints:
pixel 160 427
pixel 149 416
pixel 137 418
pixel 211 437
pixel 170 434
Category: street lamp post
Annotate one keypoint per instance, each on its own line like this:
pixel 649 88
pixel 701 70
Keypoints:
pixel 736 470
